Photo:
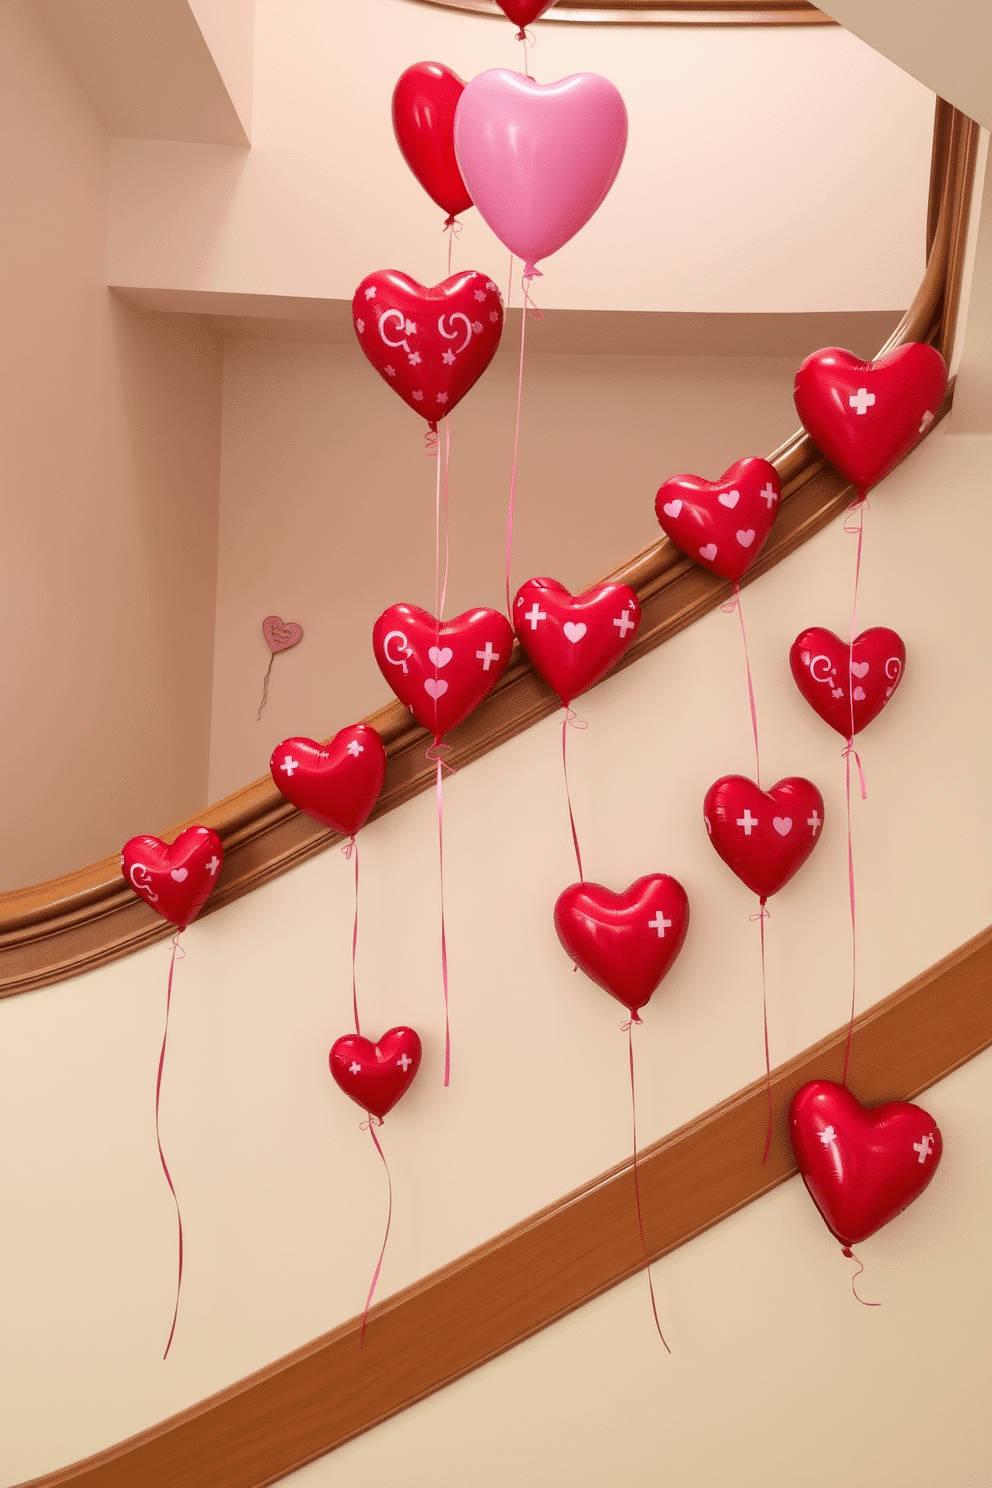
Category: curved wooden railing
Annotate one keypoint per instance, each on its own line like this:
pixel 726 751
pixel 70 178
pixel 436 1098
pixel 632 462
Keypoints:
pixel 483 1304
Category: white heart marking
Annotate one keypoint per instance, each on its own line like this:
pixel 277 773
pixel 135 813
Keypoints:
pixel 179 874
pixel 441 657
pixel 729 499
pixel 672 508
pixel 435 689
pixel 709 552
pixel 746 538
pixel 574 630
pixel 782 825
pixel 860 668
pixel 858 694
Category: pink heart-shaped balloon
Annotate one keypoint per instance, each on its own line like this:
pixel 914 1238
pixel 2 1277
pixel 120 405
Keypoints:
pixel 763 836
pixel 441 684
pixel 820 663
pixel 574 639
pixel 538 158
pixel 722 524
pixel 337 783
pixel 281 634
pixel 624 942
pixel 175 880
pixel 376 1075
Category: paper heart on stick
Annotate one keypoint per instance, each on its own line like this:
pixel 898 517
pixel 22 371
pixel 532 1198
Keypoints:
pixel 424 102
pixel 624 942
pixel 763 836
pixel 175 880
pixel 820 662
pixel 375 1076
pixel 722 524
pixel 573 640
pixel 862 1166
pixel 441 692
pixel 281 634
pixel 337 783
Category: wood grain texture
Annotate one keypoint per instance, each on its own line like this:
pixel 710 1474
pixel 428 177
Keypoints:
pixel 525 1279
pixel 58 929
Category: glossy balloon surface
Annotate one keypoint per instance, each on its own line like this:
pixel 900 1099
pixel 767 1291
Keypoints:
pixel 177 880
pixel 375 1076
pixel 430 345
pixel 624 942
pixel 841 682
pixel 763 836
pixel 538 158
pixel 722 524
pixel 441 671
pixel 865 416
pixel 337 783
pixel 523 12
pixel 573 640
pixel 424 102
pixel 861 1165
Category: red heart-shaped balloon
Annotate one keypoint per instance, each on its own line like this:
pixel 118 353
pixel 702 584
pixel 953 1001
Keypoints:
pixel 722 524
pixel 336 783
pixel 376 1075
pixel 574 639
pixel 176 881
pixel 441 671
pixel 524 11
pixel 424 103
pixel 862 1166
pixel 430 345
pixel 821 661
pixel 624 942
pixel 865 416
pixel 764 836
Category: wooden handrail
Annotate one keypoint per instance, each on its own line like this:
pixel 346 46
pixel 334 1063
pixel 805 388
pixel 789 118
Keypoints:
pixel 68 925
pixel 666 12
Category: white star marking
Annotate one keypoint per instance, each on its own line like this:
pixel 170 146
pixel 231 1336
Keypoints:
pixel 213 865
pixel 448 358
pixel 814 821
pixel 355 1067
pixel 414 358
pixel 660 924
pixel 477 327
pixel 769 494
pixel 390 371
pixel 355 748
pixel 417 397
pixel 370 292
pixel 480 295
pixel 862 400
pixel 534 615
pixel 623 624
pixel 289 765
pixel 488 656
pixel 442 397
pixel 923 1148
pixel 404 1062
pixel 411 328
pixel 361 326
pixel 827 1136
pixel 747 821
pixel 494 316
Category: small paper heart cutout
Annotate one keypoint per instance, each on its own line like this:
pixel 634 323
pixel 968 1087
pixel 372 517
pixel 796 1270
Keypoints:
pixel 281 634
pixel 180 874
pixel 440 657
pixel 860 669
pixel 782 825
pixel 729 499
pixel 573 630
pixel 672 508
pixel 709 552
pixel 746 538
pixel 435 689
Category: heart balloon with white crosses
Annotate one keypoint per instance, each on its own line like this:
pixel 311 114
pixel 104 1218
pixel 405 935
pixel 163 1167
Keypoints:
pixel 441 670
pixel 763 836
pixel 861 1165
pixel 625 942
pixel 337 783
pixel 375 1076
pixel 847 684
pixel 574 639
pixel 722 524
pixel 430 344
pixel 175 880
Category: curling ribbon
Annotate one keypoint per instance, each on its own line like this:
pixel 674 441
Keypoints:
pixel 571 720
pixel 628 1027
pixel 158 1138
pixel 351 846
pixel 849 1253
pixel 373 1122
pixel 764 913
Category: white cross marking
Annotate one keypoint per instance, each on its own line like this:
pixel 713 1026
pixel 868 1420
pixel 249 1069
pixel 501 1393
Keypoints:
pixel 355 1067
pixel 747 821
pixel 769 494
pixel 213 865
pixel 814 821
pixel 289 765
pixel 827 1136
pixel 488 656
pixel 533 615
pixel 923 1148
pixel 404 1062
pixel 862 400
pixel 623 624
pixel 355 748
pixel 660 924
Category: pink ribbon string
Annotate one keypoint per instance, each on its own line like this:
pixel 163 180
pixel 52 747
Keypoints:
pixel 764 913
pixel 176 949
pixel 453 229
pixel 516 450
pixel 441 483
pixel 434 755
pixel 351 847
pixel 527 38
pixel 853 900
pixel 849 1253
pixel 571 720
pixel 728 608
pixel 373 1122
pixel 628 1028
pixel 855 526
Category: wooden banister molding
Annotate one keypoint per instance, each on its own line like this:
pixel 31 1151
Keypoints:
pixel 665 12
pixel 494 1297
pixel 69 925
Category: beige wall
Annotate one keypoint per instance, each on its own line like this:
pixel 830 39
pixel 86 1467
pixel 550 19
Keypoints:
pixel 109 458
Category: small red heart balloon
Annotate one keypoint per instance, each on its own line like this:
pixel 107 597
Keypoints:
pixel 523 12
pixel 821 662
pixel 440 670
pixel 336 783
pixel 763 836
pixel 424 103
pixel 865 416
pixel 176 881
pixel 861 1166
pixel 430 345
pixel 722 524
pixel 574 639
pixel 376 1075
pixel 624 942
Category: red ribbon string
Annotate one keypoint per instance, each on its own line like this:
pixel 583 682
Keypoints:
pixel 441 587
pixel 853 901
pixel 165 1167
pixel 433 754
pixel 571 721
pixel 351 846
pixel 765 914
pixel 849 1253
pixel 373 1122
pixel 637 1186
pixel 735 604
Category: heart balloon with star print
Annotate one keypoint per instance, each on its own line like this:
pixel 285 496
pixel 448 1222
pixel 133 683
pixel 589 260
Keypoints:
pixel 722 524
pixel 763 836
pixel 865 416
pixel 375 1076
pixel 430 345
pixel 336 783
pixel 624 942
pixel 574 639
pixel 177 880
pixel 441 670
pixel 862 1165
pixel 847 685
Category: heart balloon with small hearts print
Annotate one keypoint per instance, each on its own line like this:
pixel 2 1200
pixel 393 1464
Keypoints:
pixel 281 634
pixel 441 670
pixel 763 836
pixel 847 685
pixel 430 345
pixel 337 783
pixel 375 1076
pixel 861 1165
pixel 722 524
pixel 866 416
pixel 175 880
pixel 625 942
pixel 574 639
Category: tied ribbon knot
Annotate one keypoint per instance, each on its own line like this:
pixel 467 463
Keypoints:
pixel 846 754
pixel 848 1253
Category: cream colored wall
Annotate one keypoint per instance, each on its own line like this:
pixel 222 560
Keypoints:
pixel 768 169
pixel 109 460
pixel 282 1194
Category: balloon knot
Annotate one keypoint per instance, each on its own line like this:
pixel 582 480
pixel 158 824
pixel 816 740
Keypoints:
pixel 848 1253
